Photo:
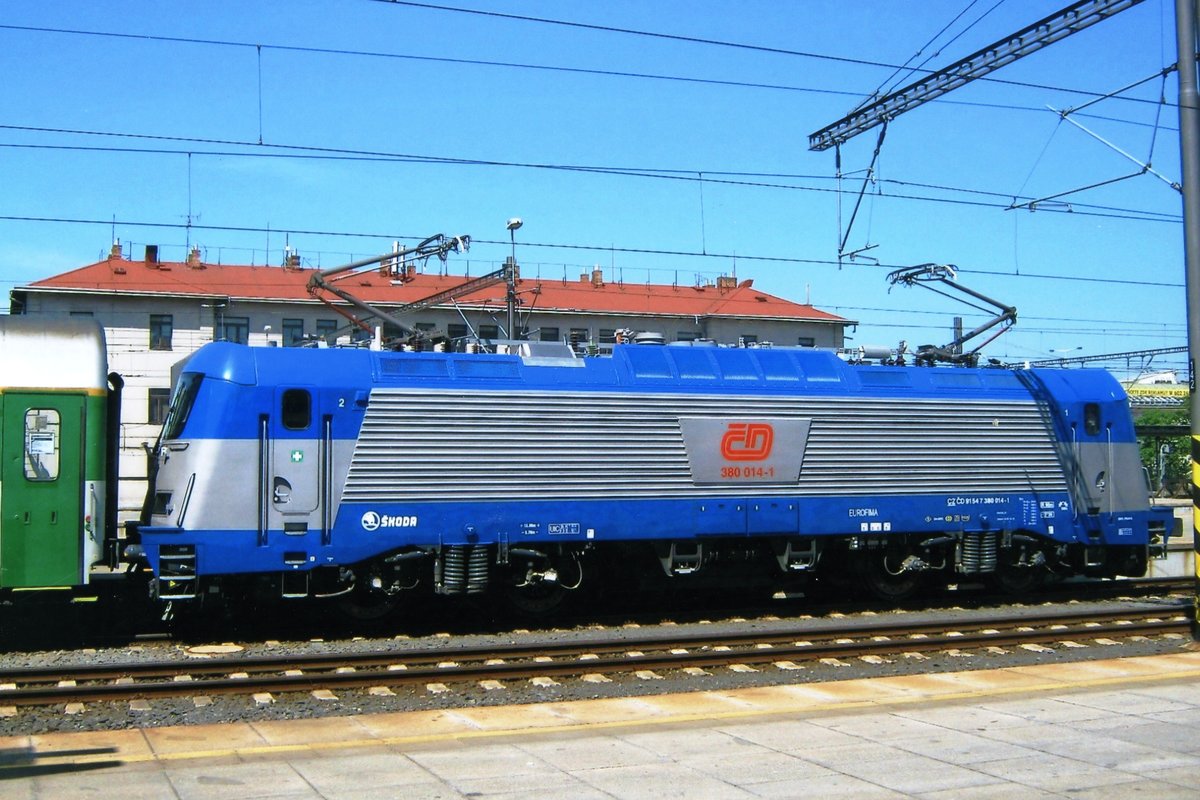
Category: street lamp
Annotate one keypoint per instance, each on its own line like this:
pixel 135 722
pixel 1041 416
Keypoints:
pixel 510 277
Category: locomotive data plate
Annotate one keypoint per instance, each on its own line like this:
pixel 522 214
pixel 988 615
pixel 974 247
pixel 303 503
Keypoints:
pixel 724 451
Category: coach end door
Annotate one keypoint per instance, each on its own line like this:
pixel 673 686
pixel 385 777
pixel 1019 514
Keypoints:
pixel 41 487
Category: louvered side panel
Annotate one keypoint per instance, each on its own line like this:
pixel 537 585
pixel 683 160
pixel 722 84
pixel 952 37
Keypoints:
pixel 431 445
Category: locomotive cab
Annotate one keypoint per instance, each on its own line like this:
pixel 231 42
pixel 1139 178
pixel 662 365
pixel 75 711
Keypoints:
pixel 1117 529
pixel 243 478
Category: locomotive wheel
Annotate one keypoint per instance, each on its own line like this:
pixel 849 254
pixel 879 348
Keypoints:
pixel 539 601
pixel 1018 580
pixel 877 573
pixel 368 606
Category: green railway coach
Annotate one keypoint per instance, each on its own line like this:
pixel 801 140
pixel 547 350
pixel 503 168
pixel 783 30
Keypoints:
pixel 58 463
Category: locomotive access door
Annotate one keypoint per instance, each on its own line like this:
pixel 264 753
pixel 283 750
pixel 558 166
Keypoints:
pixel 41 477
pixel 295 462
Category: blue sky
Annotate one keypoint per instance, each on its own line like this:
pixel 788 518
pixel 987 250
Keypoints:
pixel 359 104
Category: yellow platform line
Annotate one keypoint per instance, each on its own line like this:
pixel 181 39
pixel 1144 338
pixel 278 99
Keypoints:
pixel 183 743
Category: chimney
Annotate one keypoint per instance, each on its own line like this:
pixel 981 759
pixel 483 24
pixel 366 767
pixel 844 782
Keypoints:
pixel 193 258
pixel 151 255
pixel 115 252
pixel 726 282
pixel 597 278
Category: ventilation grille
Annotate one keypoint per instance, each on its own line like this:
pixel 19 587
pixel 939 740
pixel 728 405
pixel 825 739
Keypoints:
pixel 521 445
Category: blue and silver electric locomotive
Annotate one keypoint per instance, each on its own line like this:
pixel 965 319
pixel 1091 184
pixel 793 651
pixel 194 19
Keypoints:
pixel 364 473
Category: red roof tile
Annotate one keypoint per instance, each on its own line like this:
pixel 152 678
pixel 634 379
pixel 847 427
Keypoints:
pixel 279 283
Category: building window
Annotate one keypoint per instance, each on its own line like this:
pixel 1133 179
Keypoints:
pixel 293 332
pixel 548 335
pixel 326 327
pixel 748 338
pixel 160 401
pixel 426 327
pixel 579 336
pixel 457 331
pixel 489 331
pixel 161 327
pixel 807 341
pixel 608 336
pixel 686 336
pixel 235 329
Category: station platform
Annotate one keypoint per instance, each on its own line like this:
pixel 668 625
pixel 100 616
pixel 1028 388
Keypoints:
pixel 1097 729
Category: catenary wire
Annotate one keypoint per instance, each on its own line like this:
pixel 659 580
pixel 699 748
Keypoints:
pixel 708 41
pixel 673 175
pixel 573 247
pixel 309 49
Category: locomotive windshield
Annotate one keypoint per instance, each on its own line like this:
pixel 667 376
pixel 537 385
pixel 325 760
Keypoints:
pixel 181 404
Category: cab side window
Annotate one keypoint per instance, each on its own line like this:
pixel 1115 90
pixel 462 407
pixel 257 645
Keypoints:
pixel 297 409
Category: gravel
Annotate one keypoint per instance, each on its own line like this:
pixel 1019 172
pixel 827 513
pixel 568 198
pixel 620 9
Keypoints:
pixel 102 635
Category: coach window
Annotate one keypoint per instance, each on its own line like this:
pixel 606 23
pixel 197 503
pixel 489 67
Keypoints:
pixel 1091 419
pixel 297 409
pixel 41 444
pixel 161 327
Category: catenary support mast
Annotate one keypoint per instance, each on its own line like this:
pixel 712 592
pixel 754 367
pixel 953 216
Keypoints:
pixel 1189 148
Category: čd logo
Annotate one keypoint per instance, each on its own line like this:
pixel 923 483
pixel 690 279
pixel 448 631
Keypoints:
pixel 747 441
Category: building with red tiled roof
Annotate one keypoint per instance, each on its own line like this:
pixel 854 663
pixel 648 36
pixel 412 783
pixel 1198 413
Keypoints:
pixel 592 307
pixel 156 313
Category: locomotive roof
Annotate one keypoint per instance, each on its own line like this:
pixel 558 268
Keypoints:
pixel 647 368
pixel 62 354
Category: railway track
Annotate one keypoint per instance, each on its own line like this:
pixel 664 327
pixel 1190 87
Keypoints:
pixel 43 686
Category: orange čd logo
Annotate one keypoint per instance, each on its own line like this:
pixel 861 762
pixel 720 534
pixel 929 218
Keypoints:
pixel 747 441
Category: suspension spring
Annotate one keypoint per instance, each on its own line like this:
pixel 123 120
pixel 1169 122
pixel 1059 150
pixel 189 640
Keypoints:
pixel 978 552
pixel 477 570
pixel 454 569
